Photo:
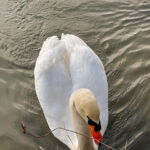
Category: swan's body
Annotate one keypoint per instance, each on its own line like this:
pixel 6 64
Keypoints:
pixel 64 66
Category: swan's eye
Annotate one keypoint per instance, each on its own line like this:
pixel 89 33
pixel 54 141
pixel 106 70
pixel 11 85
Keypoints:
pixel 92 123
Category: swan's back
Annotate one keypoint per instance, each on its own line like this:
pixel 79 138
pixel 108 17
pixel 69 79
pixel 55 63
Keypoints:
pixel 62 67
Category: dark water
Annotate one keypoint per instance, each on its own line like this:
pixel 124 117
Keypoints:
pixel 119 32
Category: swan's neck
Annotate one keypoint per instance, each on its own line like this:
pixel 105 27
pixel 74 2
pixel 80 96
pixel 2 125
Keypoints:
pixel 81 126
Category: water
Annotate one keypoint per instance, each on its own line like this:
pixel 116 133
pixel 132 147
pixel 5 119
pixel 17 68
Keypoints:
pixel 119 32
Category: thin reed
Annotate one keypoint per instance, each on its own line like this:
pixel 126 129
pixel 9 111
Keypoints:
pixel 25 131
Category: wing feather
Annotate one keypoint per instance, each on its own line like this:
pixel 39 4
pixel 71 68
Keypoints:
pixel 62 67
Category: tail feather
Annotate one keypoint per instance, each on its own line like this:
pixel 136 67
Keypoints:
pixel 72 42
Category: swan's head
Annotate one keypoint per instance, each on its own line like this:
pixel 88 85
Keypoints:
pixel 85 103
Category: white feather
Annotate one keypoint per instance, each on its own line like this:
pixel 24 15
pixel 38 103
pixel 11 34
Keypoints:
pixel 62 67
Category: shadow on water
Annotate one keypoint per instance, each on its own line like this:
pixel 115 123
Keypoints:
pixel 119 33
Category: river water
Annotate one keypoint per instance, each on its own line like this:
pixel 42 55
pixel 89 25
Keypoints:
pixel 119 33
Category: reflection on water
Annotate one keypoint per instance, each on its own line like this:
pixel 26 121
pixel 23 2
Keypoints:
pixel 119 32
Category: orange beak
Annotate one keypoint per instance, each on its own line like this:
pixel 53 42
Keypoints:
pixel 96 134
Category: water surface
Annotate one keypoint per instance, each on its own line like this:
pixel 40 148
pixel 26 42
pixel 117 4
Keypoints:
pixel 119 33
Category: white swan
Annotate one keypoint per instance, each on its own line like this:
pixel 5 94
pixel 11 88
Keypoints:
pixel 69 75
